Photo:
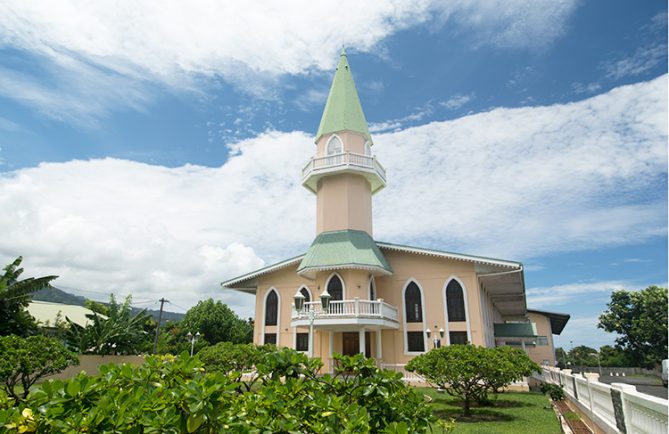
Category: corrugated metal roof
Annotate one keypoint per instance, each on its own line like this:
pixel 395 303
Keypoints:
pixel 343 111
pixel 449 255
pixel 343 249
pixel 46 313
pixel 516 330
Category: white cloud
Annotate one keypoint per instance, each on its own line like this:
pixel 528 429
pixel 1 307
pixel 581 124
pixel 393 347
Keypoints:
pixel 513 183
pixel 563 294
pixel 643 59
pixel 456 101
pixel 247 44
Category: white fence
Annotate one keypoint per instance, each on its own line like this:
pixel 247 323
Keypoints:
pixel 407 376
pixel 615 408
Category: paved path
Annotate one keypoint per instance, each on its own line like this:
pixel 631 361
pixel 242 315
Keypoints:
pixel 649 385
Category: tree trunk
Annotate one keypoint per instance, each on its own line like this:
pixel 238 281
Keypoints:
pixel 465 407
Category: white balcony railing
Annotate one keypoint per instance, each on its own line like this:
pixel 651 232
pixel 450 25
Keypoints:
pixel 344 160
pixel 348 309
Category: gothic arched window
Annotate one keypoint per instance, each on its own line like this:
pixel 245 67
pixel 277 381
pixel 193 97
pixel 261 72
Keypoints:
pixel 335 288
pixel 305 292
pixel 334 146
pixel 271 308
pixel 413 304
pixel 372 289
pixel 455 302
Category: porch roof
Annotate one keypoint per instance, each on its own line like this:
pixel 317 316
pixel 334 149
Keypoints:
pixel 516 330
pixel 343 249
pixel 558 320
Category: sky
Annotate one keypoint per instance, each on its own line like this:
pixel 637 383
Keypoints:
pixel 155 148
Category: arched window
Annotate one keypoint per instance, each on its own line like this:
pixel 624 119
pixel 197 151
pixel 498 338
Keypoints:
pixel 307 297
pixel 372 289
pixel 271 308
pixel 335 288
pixel 455 302
pixel 335 146
pixel 413 304
pixel 368 148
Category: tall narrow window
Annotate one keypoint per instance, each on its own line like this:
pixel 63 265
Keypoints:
pixel 415 342
pixel 335 288
pixel 335 146
pixel 368 148
pixel 270 338
pixel 372 289
pixel 271 308
pixel 458 338
pixel 305 293
pixel 455 302
pixel 413 304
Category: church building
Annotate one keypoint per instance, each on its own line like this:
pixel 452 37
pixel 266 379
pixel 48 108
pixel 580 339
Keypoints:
pixel 349 293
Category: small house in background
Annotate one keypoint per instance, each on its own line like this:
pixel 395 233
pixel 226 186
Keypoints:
pixel 350 293
pixel 47 314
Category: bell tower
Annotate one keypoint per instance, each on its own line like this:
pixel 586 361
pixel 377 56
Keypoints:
pixel 343 173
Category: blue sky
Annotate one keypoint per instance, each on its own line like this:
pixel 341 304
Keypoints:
pixel 155 149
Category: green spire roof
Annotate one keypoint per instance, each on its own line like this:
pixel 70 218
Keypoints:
pixel 342 109
pixel 343 249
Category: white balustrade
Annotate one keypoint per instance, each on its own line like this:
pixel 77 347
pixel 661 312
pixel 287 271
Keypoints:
pixel 407 376
pixel 639 412
pixel 348 309
pixel 344 159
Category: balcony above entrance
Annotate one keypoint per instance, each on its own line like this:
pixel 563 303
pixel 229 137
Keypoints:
pixel 373 313
pixel 345 162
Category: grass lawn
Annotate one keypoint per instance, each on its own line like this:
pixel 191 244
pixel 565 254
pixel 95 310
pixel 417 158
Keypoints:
pixel 515 413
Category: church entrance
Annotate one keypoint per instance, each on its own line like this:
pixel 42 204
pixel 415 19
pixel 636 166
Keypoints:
pixel 351 344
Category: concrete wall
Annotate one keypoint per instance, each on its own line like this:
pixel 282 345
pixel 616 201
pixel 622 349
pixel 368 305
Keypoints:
pixel 90 364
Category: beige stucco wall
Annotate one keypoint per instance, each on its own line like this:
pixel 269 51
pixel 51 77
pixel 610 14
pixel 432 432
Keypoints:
pixel 430 273
pixel 540 353
pixel 353 142
pixel 344 201
pixel 90 364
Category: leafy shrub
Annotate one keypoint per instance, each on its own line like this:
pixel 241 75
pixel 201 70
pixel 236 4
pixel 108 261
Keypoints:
pixel 471 372
pixel 178 395
pixel 25 361
pixel 554 391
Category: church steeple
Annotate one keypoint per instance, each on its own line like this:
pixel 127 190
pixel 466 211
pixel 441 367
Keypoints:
pixel 343 111
pixel 343 174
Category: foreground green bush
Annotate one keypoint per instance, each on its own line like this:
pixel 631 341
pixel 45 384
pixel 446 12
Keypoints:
pixel 470 372
pixel 178 395
pixel 23 362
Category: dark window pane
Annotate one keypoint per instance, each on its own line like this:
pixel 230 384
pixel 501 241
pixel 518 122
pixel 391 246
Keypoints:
pixel 455 302
pixel 302 341
pixel 335 288
pixel 458 338
pixel 413 304
pixel 271 308
pixel 270 338
pixel 415 342
pixel 372 290
pixel 307 297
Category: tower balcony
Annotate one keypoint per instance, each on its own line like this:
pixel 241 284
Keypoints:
pixel 346 162
pixel 346 313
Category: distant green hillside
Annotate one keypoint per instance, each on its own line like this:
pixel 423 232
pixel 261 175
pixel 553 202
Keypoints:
pixel 55 295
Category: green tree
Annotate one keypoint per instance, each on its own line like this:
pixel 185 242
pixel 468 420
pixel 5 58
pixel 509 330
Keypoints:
pixel 120 332
pixel 612 357
pixel 561 357
pixel 25 361
pixel 216 322
pixel 583 356
pixel 14 298
pixel 640 319
pixel 470 372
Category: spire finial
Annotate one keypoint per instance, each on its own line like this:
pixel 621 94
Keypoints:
pixel 343 51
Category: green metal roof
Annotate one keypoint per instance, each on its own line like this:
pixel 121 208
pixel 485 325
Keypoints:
pixel 343 249
pixel 343 111
pixel 516 330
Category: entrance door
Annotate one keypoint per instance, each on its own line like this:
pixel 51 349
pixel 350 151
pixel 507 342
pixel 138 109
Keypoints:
pixel 351 344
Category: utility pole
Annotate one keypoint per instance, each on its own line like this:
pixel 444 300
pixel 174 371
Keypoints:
pixel 160 318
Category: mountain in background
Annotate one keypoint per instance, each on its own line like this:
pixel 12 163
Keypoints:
pixel 55 295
